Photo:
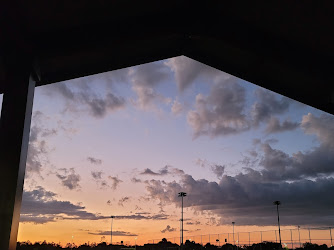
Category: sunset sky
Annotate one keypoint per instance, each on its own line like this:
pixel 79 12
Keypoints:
pixel 125 142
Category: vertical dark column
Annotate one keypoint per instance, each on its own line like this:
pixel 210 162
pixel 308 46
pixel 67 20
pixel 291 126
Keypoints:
pixel 14 138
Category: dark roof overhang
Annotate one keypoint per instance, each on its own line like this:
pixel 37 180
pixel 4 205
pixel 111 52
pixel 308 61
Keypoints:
pixel 285 46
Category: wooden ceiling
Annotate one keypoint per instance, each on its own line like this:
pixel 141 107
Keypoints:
pixel 284 46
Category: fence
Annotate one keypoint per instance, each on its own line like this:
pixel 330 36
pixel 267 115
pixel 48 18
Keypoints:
pixel 291 238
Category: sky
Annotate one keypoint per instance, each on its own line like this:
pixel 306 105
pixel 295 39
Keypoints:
pixel 125 142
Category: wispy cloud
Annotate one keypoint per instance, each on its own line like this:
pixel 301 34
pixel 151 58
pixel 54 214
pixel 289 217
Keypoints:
pixel 163 171
pixel 69 178
pixel 145 78
pixel 97 175
pixel 115 181
pixel 275 126
pixel 94 160
pixel 168 229
pixel 81 95
pixel 123 200
pixel 114 233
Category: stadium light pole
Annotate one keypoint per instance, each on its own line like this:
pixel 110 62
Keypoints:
pixel 136 243
pixel 233 232
pixel 277 203
pixel 182 194
pixel 112 219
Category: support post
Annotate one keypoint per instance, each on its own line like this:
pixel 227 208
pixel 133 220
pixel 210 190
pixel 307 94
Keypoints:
pixel 14 138
pixel 291 239
pixel 300 244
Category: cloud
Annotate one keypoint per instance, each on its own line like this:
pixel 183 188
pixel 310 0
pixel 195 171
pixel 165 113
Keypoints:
pixel 177 108
pixel 135 180
pixel 168 229
pixel 280 166
pixel 69 178
pixel 218 170
pixel 193 223
pixel 114 182
pixel 40 206
pixel 221 112
pixel 322 127
pixel 163 171
pixel 145 78
pixel 123 200
pixel 202 163
pixel 148 171
pixel 79 94
pixel 187 70
pixel 267 105
pixel 317 162
pixel 302 181
pixel 100 106
pixel 94 161
pixel 274 126
pixel 97 175
pixel 248 200
pixel 142 216
pixel 114 233
pixel 276 165
pixel 38 151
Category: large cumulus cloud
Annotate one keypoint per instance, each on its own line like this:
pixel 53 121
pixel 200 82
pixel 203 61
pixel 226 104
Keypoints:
pixel 317 162
pixel 224 111
pixel 221 112
pixel 248 200
pixel 303 181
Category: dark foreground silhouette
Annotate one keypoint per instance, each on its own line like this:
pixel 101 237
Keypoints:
pixel 165 245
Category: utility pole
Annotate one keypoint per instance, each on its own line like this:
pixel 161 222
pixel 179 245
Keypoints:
pixel 182 194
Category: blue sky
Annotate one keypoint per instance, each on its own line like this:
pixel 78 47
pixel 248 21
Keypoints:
pixel 125 142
